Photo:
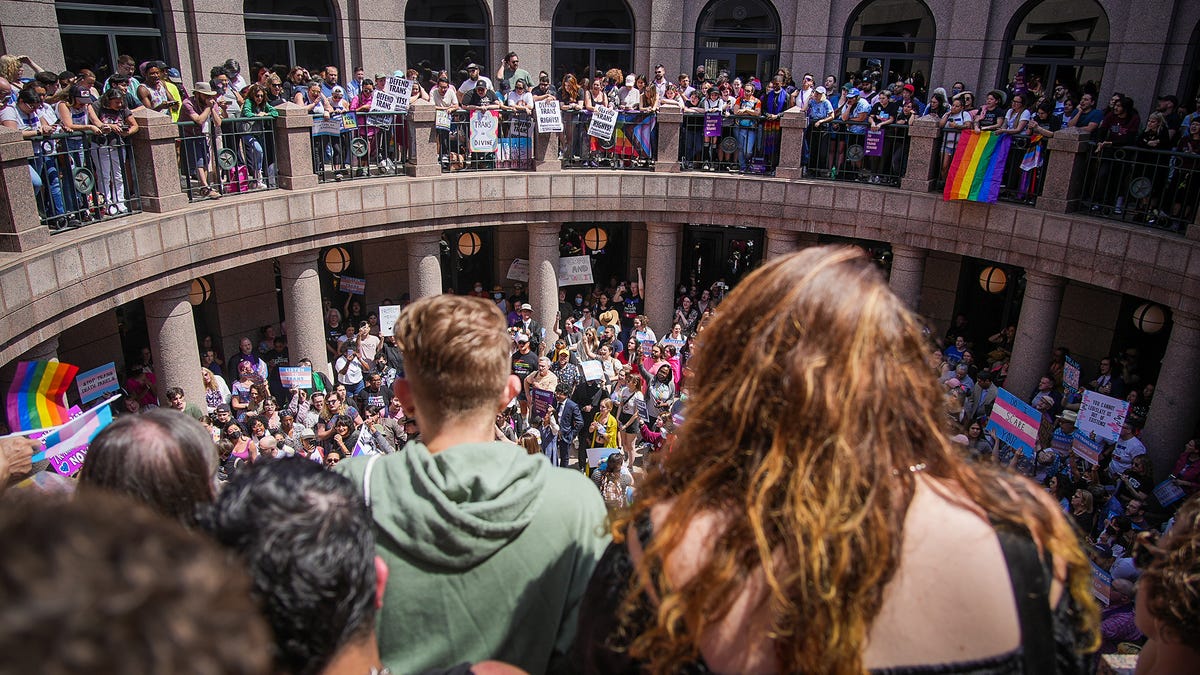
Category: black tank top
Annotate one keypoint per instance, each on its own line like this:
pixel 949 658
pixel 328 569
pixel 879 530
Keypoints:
pixel 1047 638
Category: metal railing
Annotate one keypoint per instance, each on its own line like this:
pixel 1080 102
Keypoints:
pixel 633 144
pixel 360 145
pixel 1024 173
pixel 241 158
pixel 728 143
pixel 80 178
pixel 854 152
pixel 1156 188
pixel 488 141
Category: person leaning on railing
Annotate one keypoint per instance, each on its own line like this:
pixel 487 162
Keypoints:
pixel 117 124
pixel 43 172
pixel 201 110
pixel 747 113
pixel 253 141
pixel 1119 129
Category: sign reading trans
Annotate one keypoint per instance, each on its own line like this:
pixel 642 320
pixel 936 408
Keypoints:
pixel 1014 422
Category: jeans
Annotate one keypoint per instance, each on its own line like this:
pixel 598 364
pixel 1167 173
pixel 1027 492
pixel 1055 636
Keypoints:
pixel 47 169
pixel 254 155
pixel 747 139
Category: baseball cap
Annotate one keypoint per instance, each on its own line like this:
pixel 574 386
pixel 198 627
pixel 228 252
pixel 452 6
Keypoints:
pixel 224 407
pixel 521 336
pixel 821 90
pixel 854 92
pixel 480 84
pixel 526 307
pixel 909 87
pixel 81 92
pixel 630 80
pixel 472 66
pixel 307 433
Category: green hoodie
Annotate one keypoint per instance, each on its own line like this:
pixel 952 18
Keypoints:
pixel 489 551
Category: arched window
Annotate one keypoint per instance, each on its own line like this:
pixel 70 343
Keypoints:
pixel 738 36
pixel 446 35
pixel 94 34
pixel 1056 42
pixel 1191 74
pixel 888 41
pixel 291 33
pixel 591 35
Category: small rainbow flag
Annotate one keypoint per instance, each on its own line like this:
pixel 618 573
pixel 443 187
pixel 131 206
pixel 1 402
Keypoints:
pixel 36 399
pixel 978 166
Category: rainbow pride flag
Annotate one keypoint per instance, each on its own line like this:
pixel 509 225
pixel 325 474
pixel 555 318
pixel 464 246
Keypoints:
pixel 978 166
pixel 36 399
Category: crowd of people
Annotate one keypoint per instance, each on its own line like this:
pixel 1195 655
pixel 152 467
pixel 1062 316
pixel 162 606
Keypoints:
pixel 745 139
pixel 808 506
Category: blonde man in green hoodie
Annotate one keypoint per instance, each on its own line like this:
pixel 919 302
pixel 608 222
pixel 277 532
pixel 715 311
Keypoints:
pixel 490 549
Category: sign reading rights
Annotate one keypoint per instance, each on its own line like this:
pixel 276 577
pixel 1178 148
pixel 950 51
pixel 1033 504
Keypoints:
pixel 549 117
pixel 1014 422
pixel 604 123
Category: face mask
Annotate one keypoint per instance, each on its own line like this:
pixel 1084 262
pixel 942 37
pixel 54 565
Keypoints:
pixel 497 295
pixel 478 288
pixel 579 301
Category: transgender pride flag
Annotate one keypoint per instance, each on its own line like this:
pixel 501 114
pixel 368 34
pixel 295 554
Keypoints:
pixel 1015 422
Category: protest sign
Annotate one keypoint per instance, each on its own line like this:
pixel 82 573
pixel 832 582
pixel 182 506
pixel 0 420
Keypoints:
pixel 97 382
pixel 388 314
pixel 299 377
pixel 593 370
pixel 1087 448
pixel 1101 584
pixel 69 464
pixel 549 116
pixel 574 270
pixel 603 124
pixel 401 90
pixel 712 125
pixel 543 401
pixel 873 145
pixel 1070 374
pixel 518 270
pixel 1167 492
pixel 643 411
pixel 441 120
pixel 1014 422
pixel 353 285
pixel 484 126
pixel 597 455
pixel 381 101
pixel 1101 416
pixel 331 126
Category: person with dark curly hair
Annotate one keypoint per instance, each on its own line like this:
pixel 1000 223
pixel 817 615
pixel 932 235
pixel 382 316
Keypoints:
pixel 1168 611
pixel 101 584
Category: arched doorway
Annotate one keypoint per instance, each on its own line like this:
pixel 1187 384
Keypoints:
pixel 888 41
pixel 740 37
pixel 1190 82
pixel 291 33
pixel 446 35
pixel 591 36
pixel 94 34
pixel 1056 42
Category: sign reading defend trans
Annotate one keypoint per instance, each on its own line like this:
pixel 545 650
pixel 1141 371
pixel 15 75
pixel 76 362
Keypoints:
pixel 1015 422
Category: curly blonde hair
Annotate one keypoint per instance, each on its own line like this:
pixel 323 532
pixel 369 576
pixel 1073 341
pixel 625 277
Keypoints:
pixel 810 388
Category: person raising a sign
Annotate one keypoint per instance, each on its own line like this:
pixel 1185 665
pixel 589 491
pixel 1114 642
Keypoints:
pixel 814 515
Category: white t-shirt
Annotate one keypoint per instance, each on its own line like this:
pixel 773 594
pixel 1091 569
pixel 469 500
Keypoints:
pixel 469 84
pixel 353 374
pixel 512 99
pixel 1123 454
pixel 450 98
pixel 369 347
pixel 1011 120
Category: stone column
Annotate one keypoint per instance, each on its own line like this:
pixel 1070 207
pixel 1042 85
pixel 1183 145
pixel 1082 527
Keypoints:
pixel 922 138
pixel 173 342
pixel 424 264
pixel 1066 163
pixel 662 252
pixel 422 120
pixel 302 309
pixel 293 148
pixel 20 227
pixel 1176 402
pixel 908 274
pixel 781 242
pixel 543 277
pixel 156 160
pixel 1035 332
pixel 546 148
pixel 794 125
pixel 670 125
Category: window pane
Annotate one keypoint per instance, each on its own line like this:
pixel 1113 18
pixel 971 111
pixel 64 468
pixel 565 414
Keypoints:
pixel 599 14
pixel 607 59
pixel 461 55
pixel 738 16
pixel 298 7
pixel 270 52
pixel 895 18
pixel 1059 42
pixel 575 61
pixel 426 57
pixel 446 11
pixel 87 51
pixel 314 55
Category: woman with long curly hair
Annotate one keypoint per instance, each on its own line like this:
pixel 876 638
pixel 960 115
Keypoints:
pixel 815 517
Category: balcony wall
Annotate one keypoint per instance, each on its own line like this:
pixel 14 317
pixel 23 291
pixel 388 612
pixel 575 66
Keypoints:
pixel 82 274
